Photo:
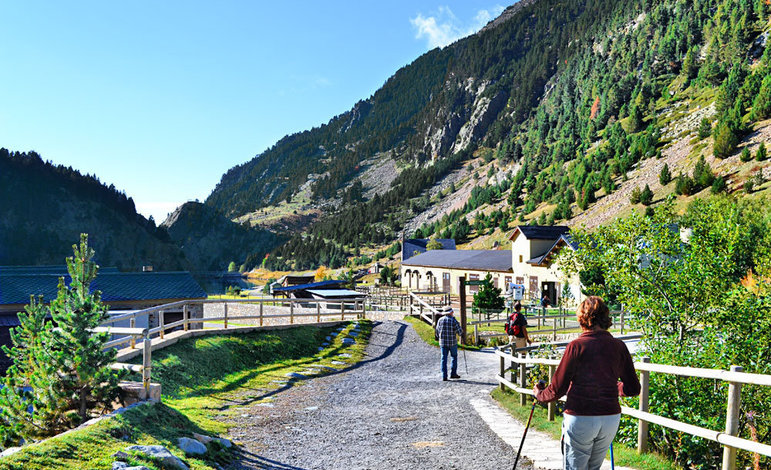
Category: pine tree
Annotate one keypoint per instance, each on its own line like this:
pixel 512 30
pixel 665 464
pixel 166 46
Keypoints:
pixel 62 373
pixel 665 176
pixel 487 298
pixel 646 196
pixel 760 155
pixel 745 155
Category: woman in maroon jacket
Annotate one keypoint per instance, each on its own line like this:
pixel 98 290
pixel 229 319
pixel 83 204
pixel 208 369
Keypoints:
pixel 589 374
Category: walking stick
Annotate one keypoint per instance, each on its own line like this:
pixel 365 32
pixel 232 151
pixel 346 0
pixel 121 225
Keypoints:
pixel 532 409
pixel 465 363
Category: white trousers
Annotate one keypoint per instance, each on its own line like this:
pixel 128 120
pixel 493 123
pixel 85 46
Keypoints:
pixel 586 439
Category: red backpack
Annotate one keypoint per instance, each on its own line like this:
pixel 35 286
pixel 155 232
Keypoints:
pixel 512 326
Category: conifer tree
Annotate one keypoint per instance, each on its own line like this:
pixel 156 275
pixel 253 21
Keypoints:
pixel 62 373
pixel 665 176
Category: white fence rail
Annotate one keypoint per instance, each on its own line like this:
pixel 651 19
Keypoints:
pixel 735 378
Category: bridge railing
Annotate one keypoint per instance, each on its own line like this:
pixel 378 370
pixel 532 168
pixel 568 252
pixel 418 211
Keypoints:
pixel 735 378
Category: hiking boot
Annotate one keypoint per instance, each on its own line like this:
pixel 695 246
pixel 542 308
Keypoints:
pixel 455 376
pixel 444 379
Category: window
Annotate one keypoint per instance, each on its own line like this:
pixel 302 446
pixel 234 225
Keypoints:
pixel 520 258
pixel 473 277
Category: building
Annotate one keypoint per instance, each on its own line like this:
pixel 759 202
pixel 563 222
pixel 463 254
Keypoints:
pixel 440 270
pixel 533 259
pixel 121 292
pixel 415 246
pixel 532 262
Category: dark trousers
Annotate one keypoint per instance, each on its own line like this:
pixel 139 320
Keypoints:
pixel 453 351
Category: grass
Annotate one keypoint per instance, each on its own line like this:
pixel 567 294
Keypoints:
pixel 623 455
pixel 204 381
pixel 426 333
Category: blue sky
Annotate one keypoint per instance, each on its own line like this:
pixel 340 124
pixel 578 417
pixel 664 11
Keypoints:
pixel 161 98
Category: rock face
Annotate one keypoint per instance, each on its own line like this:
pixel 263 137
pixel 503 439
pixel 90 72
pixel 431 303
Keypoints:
pixel 162 454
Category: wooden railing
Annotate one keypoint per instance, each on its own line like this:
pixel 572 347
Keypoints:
pixel 128 337
pixel 540 321
pixel 423 309
pixel 735 378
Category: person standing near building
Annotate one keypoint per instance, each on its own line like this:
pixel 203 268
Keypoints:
pixel 516 328
pixel 589 374
pixel 447 329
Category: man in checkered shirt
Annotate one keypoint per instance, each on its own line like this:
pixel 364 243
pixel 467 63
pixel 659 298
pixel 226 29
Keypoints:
pixel 446 330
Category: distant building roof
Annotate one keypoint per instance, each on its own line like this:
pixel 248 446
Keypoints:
pixel 540 232
pixel 475 260
pixel 563 240
pixel 16 285
pixel 335 293
pixel 315 285
pixel 290 280
pixel 57 270
pixel 412 245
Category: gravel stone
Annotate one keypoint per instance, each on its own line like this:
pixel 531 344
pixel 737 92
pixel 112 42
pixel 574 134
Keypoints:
pixel 392 410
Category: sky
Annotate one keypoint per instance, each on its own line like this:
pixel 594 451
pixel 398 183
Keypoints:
pixel 160 99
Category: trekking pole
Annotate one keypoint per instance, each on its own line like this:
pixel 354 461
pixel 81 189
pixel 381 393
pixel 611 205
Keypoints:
pixel 532 409
pixel 465 363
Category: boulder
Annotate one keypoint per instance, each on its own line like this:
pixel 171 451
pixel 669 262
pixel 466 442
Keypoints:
pixel 124 466
pixel 161 454
pixel 191 446
pixel 134 392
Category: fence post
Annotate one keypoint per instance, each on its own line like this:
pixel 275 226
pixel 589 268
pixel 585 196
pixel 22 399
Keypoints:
pixel 147 352
pixel 161 322
pixel 226 315
pixel 342 310
pixel 318 312
pixel 552 407
pixel 502 372
pixel 186 317
pixel 732 419
pixel 554 330
pixel 133 324
pixel 522 380
pixel 476 334
pixel 363 309
pixel 291 313
pixel 642 425
pixel 261 304
pixel 622 321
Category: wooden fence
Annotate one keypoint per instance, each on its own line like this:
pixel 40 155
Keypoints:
pixel 540 321
pixel 129 337
pixel 735 378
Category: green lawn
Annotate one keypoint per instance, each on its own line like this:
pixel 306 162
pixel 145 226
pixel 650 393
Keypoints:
pixel 204 380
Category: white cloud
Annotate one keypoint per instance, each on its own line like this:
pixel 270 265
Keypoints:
pixel 444 27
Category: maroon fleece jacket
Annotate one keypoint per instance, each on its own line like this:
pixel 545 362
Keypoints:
pixel 589 373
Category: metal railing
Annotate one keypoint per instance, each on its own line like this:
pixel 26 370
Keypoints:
pixel 735 377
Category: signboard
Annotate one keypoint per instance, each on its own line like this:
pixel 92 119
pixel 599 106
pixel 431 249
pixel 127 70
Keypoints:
pixel 475 283
pixel 517 291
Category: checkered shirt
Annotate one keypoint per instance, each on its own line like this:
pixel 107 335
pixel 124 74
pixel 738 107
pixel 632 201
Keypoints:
pixel 446 328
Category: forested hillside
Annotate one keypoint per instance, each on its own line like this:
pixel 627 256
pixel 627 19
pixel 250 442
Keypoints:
pixel 565 99
pixel 44 208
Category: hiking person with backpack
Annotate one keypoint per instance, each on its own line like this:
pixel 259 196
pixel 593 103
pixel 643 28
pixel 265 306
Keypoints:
pixel 516 328
pixel 447 329
pixel 589 374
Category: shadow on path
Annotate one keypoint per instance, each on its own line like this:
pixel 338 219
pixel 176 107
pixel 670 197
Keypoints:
pixel 290 381
pixel 260 462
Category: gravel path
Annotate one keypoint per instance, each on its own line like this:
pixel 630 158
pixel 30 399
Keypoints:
pixel 390 411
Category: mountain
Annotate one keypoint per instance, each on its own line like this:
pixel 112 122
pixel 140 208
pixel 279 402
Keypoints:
pixel 213 240
pixel 557 111
pixel 44 208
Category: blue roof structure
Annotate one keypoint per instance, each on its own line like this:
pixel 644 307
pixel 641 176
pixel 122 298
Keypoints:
pixel 333 284
pixel 16 285
pixel 412 245
pixel 540 232
pixel 475 260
